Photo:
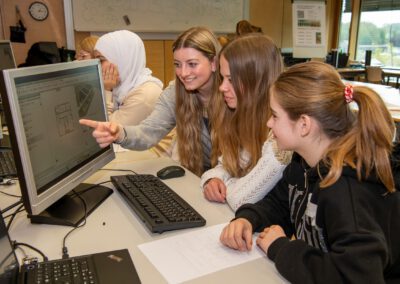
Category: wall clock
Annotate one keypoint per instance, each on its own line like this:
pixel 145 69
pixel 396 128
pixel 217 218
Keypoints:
pixel 38 11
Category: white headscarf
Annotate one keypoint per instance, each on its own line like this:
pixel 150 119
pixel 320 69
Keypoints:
pixel 126 50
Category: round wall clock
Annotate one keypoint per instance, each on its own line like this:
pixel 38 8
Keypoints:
pixel 38 11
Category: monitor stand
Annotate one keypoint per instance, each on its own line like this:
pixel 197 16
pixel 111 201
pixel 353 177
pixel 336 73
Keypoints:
pixel 70 210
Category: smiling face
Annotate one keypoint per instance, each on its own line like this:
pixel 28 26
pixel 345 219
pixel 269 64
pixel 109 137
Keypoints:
pixel 193 69
pixel 283 128
pixel 226 86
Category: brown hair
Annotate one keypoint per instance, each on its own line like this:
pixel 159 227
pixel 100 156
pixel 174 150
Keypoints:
pixel 189 108
pixel 362 140
pixel 88 44
pixel 254 64
pixel 245 27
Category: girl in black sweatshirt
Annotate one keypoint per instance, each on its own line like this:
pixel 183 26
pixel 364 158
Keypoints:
pixel 334 215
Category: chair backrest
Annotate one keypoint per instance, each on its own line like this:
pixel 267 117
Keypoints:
pixel 374 74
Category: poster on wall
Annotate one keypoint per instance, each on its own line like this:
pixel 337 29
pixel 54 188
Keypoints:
pixel 309 32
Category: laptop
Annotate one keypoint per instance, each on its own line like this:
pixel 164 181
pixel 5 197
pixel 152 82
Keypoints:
pixel 104 268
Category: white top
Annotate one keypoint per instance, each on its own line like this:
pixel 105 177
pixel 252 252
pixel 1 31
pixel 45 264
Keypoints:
pixel 258 182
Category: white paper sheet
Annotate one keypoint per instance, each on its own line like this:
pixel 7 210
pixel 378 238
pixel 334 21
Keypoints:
pixel 193 254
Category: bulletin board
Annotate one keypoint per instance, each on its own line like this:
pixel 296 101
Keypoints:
pixel 309 29
pixel 158 15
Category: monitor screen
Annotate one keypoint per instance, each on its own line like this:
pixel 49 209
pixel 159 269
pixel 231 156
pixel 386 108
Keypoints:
pixel 6 62
pixel 53 153
pixel 6 55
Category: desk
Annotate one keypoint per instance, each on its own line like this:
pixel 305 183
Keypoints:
pixel 388 73
pixel 350 73
pixel 114 226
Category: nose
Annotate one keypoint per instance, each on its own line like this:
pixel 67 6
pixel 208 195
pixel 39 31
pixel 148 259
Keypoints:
pixel 223 87
pixel 184 71
pixel 269 122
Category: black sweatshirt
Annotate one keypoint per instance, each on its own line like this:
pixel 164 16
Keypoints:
pixel 348 232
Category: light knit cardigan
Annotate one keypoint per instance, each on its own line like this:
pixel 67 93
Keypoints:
pixel 258 182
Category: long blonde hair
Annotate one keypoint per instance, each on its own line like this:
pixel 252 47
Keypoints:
pixel 254 64
pixel 362 140
pixel 189 108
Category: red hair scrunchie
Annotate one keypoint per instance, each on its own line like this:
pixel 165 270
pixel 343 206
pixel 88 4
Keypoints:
pixel 348 93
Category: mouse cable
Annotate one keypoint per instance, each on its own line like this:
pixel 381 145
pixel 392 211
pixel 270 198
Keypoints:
pixel 16 244
pixel 118 170
pixel 64 248
pixel 13 216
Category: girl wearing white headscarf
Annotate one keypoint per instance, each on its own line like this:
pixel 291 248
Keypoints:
pixel 132 95
pixel 131 90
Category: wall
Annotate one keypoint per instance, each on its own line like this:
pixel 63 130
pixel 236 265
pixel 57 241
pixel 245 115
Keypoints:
pixel 51 29
pixel 273 16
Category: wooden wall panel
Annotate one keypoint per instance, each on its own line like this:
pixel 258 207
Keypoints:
pixel 169 62
pixel 155 57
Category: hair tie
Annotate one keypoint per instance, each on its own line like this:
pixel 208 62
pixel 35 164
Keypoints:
pixel 348 93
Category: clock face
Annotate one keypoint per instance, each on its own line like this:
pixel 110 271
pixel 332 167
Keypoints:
pixel 38 11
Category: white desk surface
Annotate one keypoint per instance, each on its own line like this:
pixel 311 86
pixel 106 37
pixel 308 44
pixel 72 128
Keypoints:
pixel 114 226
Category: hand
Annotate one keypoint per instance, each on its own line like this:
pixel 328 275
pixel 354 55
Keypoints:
pixel 110 77
pixel 104 132
pixel 268 236
pixel 238 235
pixel 215 190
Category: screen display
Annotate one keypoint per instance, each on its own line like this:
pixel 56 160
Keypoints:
pixel 6 56
pixel 51 105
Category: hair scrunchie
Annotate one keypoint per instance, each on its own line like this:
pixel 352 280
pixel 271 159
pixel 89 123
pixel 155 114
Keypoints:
pixel 348 93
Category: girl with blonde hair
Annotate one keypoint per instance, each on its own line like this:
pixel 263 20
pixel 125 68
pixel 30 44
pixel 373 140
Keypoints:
pixel 185 104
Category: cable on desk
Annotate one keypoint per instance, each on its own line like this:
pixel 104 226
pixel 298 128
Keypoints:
pixel 89 188
pixel 119 170
pixel 13 216
pixel 16 212
pixel 64 248
pixel 9 194
pixel 11 206
pixel 15 244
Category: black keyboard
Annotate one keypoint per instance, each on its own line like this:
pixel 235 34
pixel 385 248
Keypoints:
pixel 7 164
pixel 72 270
pixel 159 207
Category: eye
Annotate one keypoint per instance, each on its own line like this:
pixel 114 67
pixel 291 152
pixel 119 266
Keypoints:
pixel 192 64
pixel 177 65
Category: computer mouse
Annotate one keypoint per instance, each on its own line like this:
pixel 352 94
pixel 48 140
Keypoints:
pixel 171 172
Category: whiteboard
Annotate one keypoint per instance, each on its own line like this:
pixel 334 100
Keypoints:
pixel 158 15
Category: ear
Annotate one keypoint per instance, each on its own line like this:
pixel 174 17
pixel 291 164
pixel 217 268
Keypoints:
pixel 305 125
pixel 214 63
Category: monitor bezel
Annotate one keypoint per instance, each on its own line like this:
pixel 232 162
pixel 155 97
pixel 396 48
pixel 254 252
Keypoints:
pixel 35 202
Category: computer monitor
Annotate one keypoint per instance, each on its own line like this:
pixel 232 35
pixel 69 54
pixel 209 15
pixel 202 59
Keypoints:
pixel 53 153
pixel 7 60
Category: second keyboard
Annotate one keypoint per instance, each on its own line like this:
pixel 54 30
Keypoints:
pixel 159 207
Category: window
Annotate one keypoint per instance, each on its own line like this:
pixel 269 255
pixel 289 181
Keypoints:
pixel 344 31
pixel 378 31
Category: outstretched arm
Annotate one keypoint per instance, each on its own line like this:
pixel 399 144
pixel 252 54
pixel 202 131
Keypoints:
pixel 105 132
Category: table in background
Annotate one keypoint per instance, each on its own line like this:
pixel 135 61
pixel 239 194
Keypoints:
pixel 389 73
pixel 114 226
pixel 349 73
